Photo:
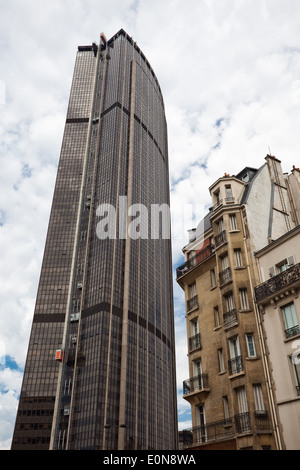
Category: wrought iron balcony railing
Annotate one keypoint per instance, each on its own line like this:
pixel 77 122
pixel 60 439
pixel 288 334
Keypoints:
pixel 278 282
pixel 192 304
pixel 290 332
pixel 230 318
pixel 235 365
pixel 208 432
pixel 195 260
pixel 194 384
pixel 194 342
pixel 227 200
pixel 220 238
pixel 242 422
pixel 225 276
pixel 218 204
pixel 230 427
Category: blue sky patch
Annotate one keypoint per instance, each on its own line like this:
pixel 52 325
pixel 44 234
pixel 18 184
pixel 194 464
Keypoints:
pixel 9 363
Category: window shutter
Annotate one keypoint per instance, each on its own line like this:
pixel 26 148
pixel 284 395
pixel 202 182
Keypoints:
pixel 272 271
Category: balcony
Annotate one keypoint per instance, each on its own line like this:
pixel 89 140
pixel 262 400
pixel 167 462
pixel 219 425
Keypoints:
pixel 195 384
pixel 210 432
pixel 194 342
pixel 229 428
pixel 235 365
pixel 225 276
pixel 218 204
pixel 290 332
pixel 230 318
pixel 220 238
pixel 194 260
pixel 192 304
pixel 242 423
pixel 277 283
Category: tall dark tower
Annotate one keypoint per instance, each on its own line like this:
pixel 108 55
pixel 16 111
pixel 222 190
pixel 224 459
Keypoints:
pixel 100 369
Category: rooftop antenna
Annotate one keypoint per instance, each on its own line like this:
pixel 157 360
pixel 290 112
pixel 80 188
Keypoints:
pixel 269 151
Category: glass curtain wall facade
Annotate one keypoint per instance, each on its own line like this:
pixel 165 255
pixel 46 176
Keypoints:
pixel 100 368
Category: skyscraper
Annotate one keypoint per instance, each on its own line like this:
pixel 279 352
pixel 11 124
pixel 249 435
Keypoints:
pixel 100 369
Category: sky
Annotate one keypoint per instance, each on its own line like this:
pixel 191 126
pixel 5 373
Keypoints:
pixel 229 71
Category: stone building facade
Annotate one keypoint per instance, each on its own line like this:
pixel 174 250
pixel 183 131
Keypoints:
pixel 229 387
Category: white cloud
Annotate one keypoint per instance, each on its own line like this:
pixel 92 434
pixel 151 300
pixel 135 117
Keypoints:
pixel 10 383
pixel 230 75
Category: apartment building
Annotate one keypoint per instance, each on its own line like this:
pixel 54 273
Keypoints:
pixel 228 387
pixel 279 311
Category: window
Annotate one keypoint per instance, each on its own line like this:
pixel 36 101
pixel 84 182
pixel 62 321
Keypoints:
pixel 217 316
pixel 197 373
pixel 192 257
pixel 217 199
pixel 238 257
pixel 226 408
pixel 221 360
pixel 250 345
pixel 220 226
pixel 224 262
pixel 290 320
pixel 235 362
pixel 242 420
pixel 228 193
pixel 234 347
pixel 192 290
pixel 213 278
pixel 242 400
pixel 197 367
pixel 229 300
pixel 194 327
pixel 258 399
pixel 200 431
pixel 244 299
pixel 225 273
pixel 245 177
pixel 295 362
pixel 232 222
pixel 282 266
pixel 192 301
pixel 230 316
pixel 194 340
